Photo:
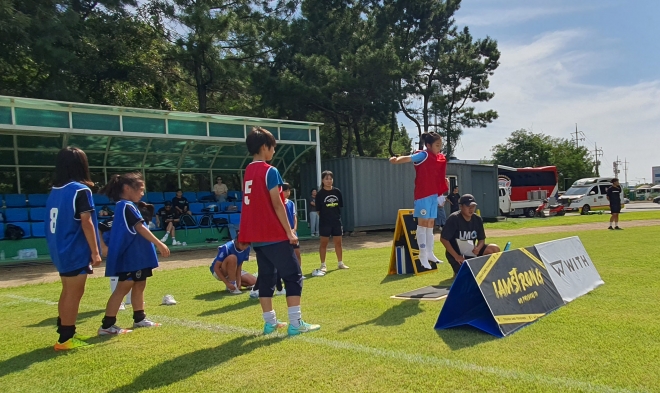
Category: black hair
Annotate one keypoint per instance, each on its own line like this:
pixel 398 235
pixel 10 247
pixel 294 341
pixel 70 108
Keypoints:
pixel 72 165
pixel 430 138
pixel 178 189
pixel 259 137
pixel 327 173
pixel 615 180
pixel 146 210
pixel 115 186
pixel 313 189
pixel 286 186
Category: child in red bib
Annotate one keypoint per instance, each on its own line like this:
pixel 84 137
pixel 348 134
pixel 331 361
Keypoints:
pixel 430 182
pixel 264 224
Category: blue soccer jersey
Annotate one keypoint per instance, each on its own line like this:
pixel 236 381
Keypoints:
pixel 66 240
pixel 228 249
pixel 128 251
pixel 290 212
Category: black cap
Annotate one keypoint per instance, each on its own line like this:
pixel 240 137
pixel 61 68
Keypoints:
pixel 168 203
pixel 467 200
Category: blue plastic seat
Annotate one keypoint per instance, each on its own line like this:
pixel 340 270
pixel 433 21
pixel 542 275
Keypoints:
pixel 15 200
pixel 38 229
pixel 197 208
pixel 190 196
pixel 38 200
pixel 235 219
pixel 237 195
pixel 205 196
pixel 101 200
pixel 16 214
pixel 155 197
pixel 26 228
pixel 224 206
pixel 239 206
pixel 2 231
pixel 38 214
pixel 169 195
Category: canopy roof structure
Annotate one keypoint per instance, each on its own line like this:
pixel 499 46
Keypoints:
pixel 119 139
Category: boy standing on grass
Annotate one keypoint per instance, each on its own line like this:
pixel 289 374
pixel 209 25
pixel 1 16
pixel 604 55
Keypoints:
pixel 614 196
pixel 264 224
pixel 292 216
pixel 329 202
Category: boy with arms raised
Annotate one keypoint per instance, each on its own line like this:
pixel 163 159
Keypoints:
pixel 264 224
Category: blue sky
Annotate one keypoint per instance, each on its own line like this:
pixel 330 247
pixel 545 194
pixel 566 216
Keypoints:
pixel 595 63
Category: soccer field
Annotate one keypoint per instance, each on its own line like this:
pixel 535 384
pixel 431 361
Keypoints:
pixel 605 341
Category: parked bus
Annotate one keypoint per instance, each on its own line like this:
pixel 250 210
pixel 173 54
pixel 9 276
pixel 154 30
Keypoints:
pixel 521 190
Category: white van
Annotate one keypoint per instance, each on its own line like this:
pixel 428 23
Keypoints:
pixel 587 194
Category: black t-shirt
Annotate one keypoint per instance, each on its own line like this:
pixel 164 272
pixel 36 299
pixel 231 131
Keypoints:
pixel 163 214
pixel 329 204
pixel 614 193
pixel 131 218
pixel 457 228
pixel 82 204
pixel 453 198
pixel 181 203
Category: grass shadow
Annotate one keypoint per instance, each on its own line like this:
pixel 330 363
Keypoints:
pixel 395 277
pixel 185 366
pixel 394 316
pixel 48 322
pixel 212 296
pixel 26 360
pixel 447 282
pixel 463 337
pixel 231 307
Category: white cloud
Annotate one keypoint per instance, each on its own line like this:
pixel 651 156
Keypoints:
pixel 509 16
pixel 538 86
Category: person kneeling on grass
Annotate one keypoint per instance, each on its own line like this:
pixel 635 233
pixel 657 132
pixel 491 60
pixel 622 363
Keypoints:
pixel 461 231
pixel 226 266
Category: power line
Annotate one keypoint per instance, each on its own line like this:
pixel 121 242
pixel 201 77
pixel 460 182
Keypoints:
pixel 577 136
pixel 597 152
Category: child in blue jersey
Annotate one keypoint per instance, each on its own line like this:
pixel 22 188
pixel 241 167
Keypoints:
pixel 73 241
pixel 292 216
pixel 131 252
pixel 227 266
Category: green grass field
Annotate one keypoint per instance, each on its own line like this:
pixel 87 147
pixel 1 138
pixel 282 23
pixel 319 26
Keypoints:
pixel 606 341
pixel 522 223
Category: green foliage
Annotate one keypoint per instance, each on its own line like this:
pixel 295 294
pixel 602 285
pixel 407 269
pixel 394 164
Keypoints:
pixel 527 149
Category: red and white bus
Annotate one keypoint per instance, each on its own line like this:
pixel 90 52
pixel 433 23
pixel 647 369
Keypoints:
pixel 521 190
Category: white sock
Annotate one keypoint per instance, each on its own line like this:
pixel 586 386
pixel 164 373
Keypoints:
pixel 113 284
pixel 429 245
pixel 294 316
pixel 340 263
pixel 270 317
pixel 173 239
pixel 423 250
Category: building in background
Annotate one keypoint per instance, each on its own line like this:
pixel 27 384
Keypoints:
pixel 655 175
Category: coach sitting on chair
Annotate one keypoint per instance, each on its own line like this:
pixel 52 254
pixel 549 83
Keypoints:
pixel 461 231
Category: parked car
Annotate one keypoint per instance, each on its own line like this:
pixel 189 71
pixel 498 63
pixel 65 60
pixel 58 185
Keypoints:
pixel 626 200
pixel 656 199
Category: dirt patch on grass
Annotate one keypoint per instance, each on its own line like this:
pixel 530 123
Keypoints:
pixel 44 272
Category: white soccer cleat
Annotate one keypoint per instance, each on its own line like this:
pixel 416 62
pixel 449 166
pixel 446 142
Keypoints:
pixel 254 294
pixel 235 291
pixel 318 273
pixel 168 300
pixel 145 323
pixel 342 266
pixel 112 330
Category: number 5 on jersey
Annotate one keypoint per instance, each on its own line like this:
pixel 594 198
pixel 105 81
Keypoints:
pixel 248 189
pixel 53 219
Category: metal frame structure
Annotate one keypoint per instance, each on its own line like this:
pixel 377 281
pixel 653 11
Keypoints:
pixel 32 131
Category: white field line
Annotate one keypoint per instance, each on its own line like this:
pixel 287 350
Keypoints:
pixel 425 360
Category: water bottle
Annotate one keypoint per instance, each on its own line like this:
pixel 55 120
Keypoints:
pixel 2 255
pixel 508 246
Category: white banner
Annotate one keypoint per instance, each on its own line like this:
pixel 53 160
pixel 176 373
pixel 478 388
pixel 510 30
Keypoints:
pixel 570 267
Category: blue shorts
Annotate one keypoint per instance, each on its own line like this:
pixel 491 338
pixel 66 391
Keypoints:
pixel 426 207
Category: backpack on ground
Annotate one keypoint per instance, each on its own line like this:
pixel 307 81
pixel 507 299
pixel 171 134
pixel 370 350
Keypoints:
pixel 14 232
pixel 187 220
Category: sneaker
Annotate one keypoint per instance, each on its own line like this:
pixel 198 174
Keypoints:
pixel 114 329
pixel 71 343
pixel 317 273
pixel 184 244
pixel 341 265
pixel 610 227
pixel 617 228
pixel 81 337
pixel 435 259
pixel 235 291
pixel 168 300
pixel 303 328
pixel 254 294
pixel 145 323
pixel 164 238
pixel 122 306
pixel 323 268
pixel 176 243
pixel 268 328
pixel 282 292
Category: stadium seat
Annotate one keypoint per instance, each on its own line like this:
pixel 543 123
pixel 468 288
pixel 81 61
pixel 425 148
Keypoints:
pixel 38 200
pixel 224 206
pixel 38 229
pixel 237 195
pixel 16 214
pixel 101 200
pixel 190 196
pixel 197 208
pixel 2 231
pixel 239 206
pixel 235 219
pixel 204 196
pixel 169 195
pixel 15 200
pixel 38 214
pixel 26 228
pixel 158 207
pixel 155 197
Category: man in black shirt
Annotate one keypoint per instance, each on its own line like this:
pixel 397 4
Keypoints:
pixel 180 203
pixel 329 202
pixel 168 218
pixel 463 235
pixel 453 200
pixel 614 196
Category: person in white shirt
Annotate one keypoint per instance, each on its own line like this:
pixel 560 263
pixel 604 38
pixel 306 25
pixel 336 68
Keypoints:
pixel 442 215
pixel 220 190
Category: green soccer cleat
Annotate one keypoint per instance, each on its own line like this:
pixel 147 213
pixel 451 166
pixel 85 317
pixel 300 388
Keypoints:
pixel 72 343
pixel 303 328
pixel 271 328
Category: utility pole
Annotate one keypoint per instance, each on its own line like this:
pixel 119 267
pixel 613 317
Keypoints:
pixel 625 169
pixel 617 167
pixel 577 136
pixel 597 152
